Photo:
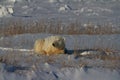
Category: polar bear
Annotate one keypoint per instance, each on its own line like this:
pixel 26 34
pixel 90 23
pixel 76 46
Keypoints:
pixel 50 45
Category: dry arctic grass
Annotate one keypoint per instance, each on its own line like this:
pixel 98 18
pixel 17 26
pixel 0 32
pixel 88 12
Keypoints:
pixel 19 27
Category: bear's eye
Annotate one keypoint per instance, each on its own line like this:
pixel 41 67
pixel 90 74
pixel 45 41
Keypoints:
pixel 53 44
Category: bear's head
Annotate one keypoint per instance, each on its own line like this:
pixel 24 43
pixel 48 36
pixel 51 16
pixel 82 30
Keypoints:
pixel 59 43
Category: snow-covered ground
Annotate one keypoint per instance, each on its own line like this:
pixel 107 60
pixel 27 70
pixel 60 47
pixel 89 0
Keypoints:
pixel 18 61
pixel 96 11
pixel 84 59
pixel 72 41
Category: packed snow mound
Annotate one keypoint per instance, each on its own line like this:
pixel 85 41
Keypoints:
pixel 64 8
pixel 53 1
pixel 6 8
pixel 5 11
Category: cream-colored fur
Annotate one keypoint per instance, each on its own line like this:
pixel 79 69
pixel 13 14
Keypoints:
pixel 50 45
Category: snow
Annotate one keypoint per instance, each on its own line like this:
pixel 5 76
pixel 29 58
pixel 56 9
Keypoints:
pixel 6 8
pixel 72 41
pixel 18 61
pixel 53 1
pixel 96 11
pixel 22 64
pixel 11 49
pixel 64 8
pixel 91 74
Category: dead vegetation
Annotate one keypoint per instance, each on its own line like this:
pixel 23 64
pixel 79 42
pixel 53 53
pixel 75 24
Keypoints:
pixel 55 27
pixel 103 61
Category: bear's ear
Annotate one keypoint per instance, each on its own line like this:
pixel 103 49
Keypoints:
pixel 44 40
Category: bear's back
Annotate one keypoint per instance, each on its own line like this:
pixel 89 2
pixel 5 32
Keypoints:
pixel 38 46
